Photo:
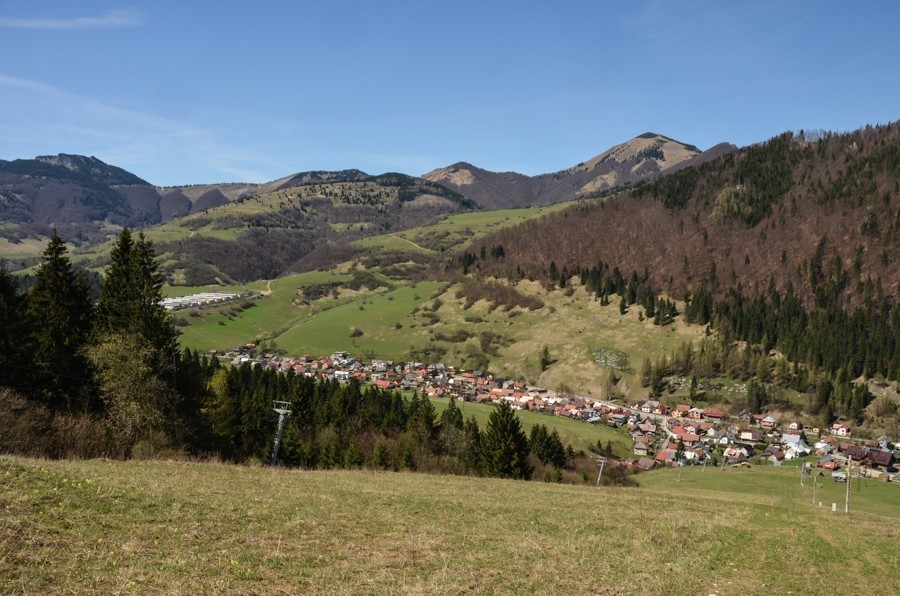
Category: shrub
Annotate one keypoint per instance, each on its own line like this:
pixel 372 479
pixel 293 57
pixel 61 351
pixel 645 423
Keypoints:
pixel 26 425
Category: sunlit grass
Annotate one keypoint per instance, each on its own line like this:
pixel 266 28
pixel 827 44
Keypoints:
pixel 99 526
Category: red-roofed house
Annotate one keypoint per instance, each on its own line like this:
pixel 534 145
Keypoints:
pixel 714 413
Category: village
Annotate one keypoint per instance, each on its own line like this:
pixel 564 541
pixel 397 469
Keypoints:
pixel 663 435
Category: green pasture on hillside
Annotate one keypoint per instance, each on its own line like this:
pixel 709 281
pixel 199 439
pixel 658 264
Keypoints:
pixel 221 328
pixel 173 527
pixel 375 316
pixel 571 327
pixel 458 230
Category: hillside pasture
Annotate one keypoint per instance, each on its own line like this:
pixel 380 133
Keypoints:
pixel 571 327
pixel 454 231
pixel 153 526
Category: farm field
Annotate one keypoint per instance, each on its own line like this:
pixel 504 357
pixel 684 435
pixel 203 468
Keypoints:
pixel 142 526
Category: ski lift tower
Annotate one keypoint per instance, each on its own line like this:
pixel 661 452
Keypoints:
pixel 284 411
pixel 601 461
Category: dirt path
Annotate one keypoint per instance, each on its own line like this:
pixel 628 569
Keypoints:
pixel 411 242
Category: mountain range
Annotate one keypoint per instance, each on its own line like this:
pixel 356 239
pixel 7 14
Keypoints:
pixel 805 210
pixel 624 166
pixel 87 200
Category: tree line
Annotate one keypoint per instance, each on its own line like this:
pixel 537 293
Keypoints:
pixel 114 358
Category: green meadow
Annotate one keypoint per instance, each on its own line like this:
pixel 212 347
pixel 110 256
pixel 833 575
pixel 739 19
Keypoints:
pixel 176 527
pixel 454 231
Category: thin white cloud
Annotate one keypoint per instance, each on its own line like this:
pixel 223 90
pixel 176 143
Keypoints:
pixel 52 119
pixel 113 19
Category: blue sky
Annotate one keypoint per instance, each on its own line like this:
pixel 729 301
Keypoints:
pixel 198 91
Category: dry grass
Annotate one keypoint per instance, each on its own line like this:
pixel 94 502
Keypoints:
pixel 99 526
pixel 571 327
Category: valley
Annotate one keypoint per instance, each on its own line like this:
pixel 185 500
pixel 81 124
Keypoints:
pixel 609 326
pixel 409 298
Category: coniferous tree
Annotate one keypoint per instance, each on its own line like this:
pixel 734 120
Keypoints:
pixel 380 456
pixel 60 304
pixel 130 300
pixel 545 359
pixel 547 446
pixel 452 417
pixel 14 332
pixel 474 453
pixel 646 372
pixel 505 445
pixel 422 423
pixel 130 307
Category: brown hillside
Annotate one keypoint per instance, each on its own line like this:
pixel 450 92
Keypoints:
pixel 756 213
pixel 627 165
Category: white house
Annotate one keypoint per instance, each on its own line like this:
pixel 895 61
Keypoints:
pixel 841 430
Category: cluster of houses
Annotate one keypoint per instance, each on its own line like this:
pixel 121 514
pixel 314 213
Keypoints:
pixel 663 434
pixel 667 435
pixel 877 458
pixel 435 380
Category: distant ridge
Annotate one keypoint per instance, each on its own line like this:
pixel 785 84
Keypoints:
pixel 86 200
pixel 629 164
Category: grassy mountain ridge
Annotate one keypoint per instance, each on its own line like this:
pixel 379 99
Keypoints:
pixel 295 228
pixel 88 201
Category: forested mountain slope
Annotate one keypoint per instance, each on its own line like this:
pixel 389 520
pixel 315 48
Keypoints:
pixel 822 215
pixel 792 243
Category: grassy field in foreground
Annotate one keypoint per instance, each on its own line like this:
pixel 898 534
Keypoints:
pixel 101 526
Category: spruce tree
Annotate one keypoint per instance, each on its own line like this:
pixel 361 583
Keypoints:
pixel 130 316
pixel 474 453
pixel 60 304
pixel 130 300
pixel 452 417
pixel 505 446
pixel 422 423
pixel 14 332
